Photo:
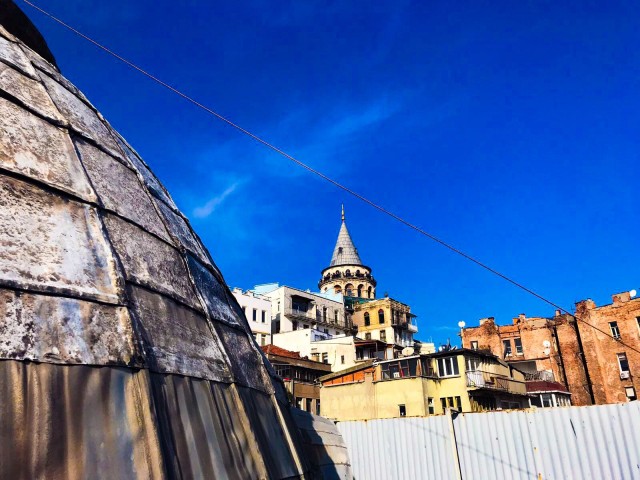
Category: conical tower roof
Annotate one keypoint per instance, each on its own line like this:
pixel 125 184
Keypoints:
pixel 123 354
pixel 345 252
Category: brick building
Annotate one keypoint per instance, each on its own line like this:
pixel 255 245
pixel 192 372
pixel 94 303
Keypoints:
pixel 594 367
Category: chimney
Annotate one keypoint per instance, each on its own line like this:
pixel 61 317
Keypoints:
pixel 487 319
pixel 519 319
pixel 620 298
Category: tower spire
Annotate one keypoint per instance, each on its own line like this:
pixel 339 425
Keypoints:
pixel 343 212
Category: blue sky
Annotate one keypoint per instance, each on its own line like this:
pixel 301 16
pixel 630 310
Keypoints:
pixel 510 129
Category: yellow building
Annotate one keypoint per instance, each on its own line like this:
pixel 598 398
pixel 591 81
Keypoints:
pixel 421 385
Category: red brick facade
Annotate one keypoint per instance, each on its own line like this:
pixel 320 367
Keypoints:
pixel 571 352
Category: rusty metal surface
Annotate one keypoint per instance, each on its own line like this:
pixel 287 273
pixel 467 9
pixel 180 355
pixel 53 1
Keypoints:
pixel 123 354
pixel 76 422
pixel 29 92
pixel 119 188
pixel 51 243
pixel 33 147
pixel 64 330
pixel 177 339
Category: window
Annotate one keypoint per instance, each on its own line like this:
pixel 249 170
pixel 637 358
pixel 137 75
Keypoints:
pixel 383 335
pixel 324 314
pixel 264 316
pixel 317 406
pixel 473 364
pixel 623 363
pixel 263 339
pixel 359 291
pixel 630 392
pixel 615 331
pixel 278 306
pixel 299 403
pixel 305 326
pixel 431 408
pixel 381 316
pixel 335 316
pixel 342 359
pixel 448 366
pixel 308 406
pixel 255 315
pixel 547 401
pixel 367 320
pixel 294 325
pixel 244 310
pixel 474 344
pixel 506 347
pixel 638 322
pixel 518 344
pixel 369 293
pixel 325 357
pixel 403 410
pixel 367 336
pixel 458 404
pixel 347 273
pixel 443 402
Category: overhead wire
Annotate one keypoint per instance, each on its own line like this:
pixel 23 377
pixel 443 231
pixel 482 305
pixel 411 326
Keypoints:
pixel 320 174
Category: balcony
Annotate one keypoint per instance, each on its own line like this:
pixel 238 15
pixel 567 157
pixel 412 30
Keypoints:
pixel 412 328
pixel 482 379
pixel 300 314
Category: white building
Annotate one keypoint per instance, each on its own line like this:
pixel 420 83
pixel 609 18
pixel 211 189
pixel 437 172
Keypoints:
pixel 339 351
pixel 293 309
pixel 257 309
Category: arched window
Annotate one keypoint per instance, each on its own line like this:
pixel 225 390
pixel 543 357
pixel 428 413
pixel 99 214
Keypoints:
pixel 360 287
pixel 337 289
pixel 381 316
pixel 367 321
pixel 347 273
pixel 369 293
pixel 348 288
pixel 357 273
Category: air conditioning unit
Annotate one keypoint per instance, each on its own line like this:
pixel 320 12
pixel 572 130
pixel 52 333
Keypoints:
pixel 396 374
pixel 624 375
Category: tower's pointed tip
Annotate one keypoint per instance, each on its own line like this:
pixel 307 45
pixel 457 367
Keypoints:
pixel 343 212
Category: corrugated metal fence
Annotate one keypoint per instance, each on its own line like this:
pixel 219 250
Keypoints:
pixel 600 442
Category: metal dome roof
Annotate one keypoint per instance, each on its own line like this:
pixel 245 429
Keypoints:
pixel 123 351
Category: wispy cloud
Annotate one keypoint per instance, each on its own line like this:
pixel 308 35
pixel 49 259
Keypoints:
pixel 209 207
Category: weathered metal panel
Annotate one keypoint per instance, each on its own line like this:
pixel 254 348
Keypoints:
pixel 400 448
pixel 246 363
pixel 264 421
pixel 119 189
pixel 206 431
pixel 29 92
pixel 75 422
pixel 13 55
pixel 150 180
pixel 151 262
pixel 212 293
pixel 81 117
pixel 64 330
pixel 324 447
pixel 51 243
pixel 182 232
pixel 177 339
pixel 32 147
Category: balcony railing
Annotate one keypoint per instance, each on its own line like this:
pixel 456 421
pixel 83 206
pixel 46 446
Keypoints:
pixel 482 379
pixel 294 312
pixel 545 375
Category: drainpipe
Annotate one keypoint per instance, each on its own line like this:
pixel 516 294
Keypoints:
pixel 584 360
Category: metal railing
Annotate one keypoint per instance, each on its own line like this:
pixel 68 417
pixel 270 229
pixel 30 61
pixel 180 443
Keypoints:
pixel 544 375
pixel 482 379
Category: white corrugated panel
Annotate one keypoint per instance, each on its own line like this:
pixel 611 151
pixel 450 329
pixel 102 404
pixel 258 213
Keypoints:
pixel 397 448
pixel 598 442
pixel 554 443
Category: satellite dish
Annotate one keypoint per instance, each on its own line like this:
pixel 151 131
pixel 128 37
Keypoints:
pixel 633 293
pixel 406 351
pixel 546 344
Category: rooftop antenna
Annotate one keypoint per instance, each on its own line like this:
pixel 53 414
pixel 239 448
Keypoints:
pixel 343 212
